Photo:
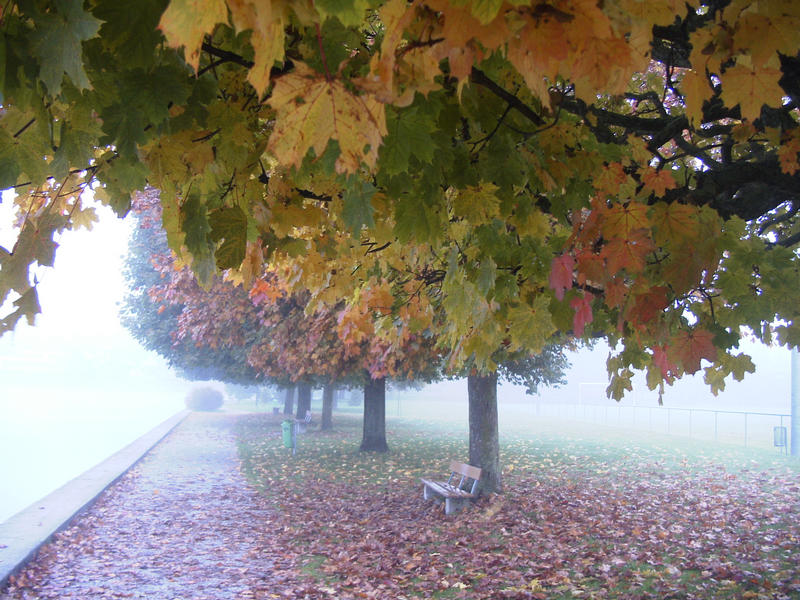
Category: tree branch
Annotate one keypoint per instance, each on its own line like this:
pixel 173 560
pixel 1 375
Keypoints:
pixel 480 78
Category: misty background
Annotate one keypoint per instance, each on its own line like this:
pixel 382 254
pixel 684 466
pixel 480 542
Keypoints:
pixel 76 387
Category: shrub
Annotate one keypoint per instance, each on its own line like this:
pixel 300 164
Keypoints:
pixel 204 398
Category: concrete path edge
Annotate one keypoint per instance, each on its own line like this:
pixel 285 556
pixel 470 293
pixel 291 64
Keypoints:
pixel 22 535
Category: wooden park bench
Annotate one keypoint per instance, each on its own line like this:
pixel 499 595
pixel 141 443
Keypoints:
pixel 457 489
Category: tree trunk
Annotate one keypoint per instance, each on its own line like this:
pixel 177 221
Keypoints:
pixel 303 400
pixel 327 407
pixel 288 400
pixel 484 437
pixel 374 439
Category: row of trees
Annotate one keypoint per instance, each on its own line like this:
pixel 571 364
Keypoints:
pixel 484 176
pixel 269 336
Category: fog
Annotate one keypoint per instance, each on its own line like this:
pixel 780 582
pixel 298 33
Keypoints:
pixel 75 387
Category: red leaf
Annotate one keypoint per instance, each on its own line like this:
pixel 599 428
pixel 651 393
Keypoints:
pixel 583 313
pixel 660 360
pixel 561 274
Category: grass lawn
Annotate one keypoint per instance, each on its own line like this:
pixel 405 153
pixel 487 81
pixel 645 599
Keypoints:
pixel 586 513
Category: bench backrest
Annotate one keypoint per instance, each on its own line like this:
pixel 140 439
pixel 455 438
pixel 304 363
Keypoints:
pixel 466 472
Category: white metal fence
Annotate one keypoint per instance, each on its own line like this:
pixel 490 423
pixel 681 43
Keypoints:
pixel 753 429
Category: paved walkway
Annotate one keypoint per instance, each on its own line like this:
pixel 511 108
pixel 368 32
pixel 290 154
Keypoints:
pixel 182 524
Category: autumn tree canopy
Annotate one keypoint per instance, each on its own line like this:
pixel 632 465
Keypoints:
pixel 496 172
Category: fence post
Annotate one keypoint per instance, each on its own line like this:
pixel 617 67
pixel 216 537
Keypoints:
pixel 795 418
pixel 745 429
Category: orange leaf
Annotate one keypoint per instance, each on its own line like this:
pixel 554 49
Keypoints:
pixel 689 347
pixel 658 181
pixel 616 291
pixel 787 155
pixel 620 220
pixel 628 253
pixel 649 305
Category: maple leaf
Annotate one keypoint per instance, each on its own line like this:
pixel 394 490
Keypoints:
pixel 561 274
pixel 357 210
pixel 674 223
pixel 751 88
pixel 349 12
pixel 57 42
pixel 788 155
pixel 583 312
pixel 616 292
pixel 266 20
pixel 628 253
pixel 648 305
pixel 228 226
pixel 661 360
pixel 659 181
pixel 313 110
pixel 696 90
pixel 689 346
pixel 185 22
pixel 619 220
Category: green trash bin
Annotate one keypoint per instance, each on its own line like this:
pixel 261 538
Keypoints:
pixel 288 433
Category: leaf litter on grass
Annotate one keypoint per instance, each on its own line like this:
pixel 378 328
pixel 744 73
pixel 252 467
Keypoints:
pixel 578 518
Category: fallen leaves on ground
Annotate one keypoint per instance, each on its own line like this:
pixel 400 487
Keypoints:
pixel 623 517
pixel 578 519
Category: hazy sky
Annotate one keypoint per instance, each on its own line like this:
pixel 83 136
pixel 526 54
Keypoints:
pixel 75 387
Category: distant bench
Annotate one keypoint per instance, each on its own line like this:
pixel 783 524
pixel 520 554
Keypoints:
pixel 455 494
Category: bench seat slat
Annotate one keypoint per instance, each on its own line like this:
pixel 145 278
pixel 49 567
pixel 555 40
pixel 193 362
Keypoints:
pixel 447 490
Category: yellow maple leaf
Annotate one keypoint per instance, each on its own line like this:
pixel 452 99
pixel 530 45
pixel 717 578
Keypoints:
pixel 266 19
pixel 675 224
pixel 695 89
pixel 313 110
pixel 751 89
pixel 185 22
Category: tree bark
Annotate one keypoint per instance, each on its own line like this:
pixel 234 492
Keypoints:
pixel 288 400
pixel 303 400
pixel 327 407
pixel 374 439
pixel 484 436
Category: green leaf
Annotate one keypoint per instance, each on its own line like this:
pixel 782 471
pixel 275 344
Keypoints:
pixel 121 178
pixel 130 28
pixel 416 221
pixel 27 306
pixel 2 65
pixel 487 274
pixel 620 383
pixel 483 10
pixel 229 225
pixel 349 12
pixel 13 273
pixel 57 43
pixel 357 210
pixel 409 135
pixel 194 223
